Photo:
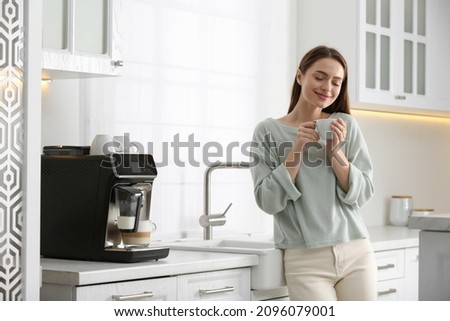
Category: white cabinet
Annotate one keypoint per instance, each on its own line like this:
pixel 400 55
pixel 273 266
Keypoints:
pixel 158 289
pixel 439 49
pixel 393 64
pixel 398 274
pixel 163 289
pixel 223 285
pixel 412 274
pixel 391 273
pixel 393 49
pixel 226 285
pixel 81 38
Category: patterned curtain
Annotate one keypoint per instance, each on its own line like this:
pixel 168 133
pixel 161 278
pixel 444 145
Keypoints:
pixel 11 147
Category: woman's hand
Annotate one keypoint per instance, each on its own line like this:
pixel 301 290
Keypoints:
pixel 339 130
pixel 306 133
pixel 339 161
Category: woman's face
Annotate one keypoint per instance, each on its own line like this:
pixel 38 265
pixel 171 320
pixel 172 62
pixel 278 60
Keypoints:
pixel 321 83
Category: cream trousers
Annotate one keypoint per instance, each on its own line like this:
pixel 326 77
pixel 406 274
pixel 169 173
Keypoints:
pixel 345 271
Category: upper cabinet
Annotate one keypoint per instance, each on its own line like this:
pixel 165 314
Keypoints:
pixel 81 38
pixel 395 50
pixel 393 62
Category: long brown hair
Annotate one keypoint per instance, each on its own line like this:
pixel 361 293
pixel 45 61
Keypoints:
pixel 342 102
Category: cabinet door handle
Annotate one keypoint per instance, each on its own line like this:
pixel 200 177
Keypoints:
pixel 400 97
pixel 132 296
pixel 387 266
pixel 221 290
pixel 390 291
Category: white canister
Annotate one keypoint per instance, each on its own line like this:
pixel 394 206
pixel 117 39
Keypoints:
pixel 400 210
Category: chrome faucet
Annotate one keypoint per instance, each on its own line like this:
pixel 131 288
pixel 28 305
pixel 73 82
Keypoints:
pixel 208 220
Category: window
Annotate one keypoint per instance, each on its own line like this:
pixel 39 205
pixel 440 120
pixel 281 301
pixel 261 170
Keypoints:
pixel 199 70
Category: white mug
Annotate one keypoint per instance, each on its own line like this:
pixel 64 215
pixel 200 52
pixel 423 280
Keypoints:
pixel 102 145
pixel 323 128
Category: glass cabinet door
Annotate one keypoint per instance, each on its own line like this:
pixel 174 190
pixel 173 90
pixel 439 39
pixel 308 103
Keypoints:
pixel 378 45
pixel 91 26
pixel 79 26
pixel 55 24
pixel 414 47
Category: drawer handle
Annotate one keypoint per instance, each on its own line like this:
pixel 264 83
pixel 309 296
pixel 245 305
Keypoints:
pixel 390 291
pixel 387 266
pixel 221 290
pixel 132 296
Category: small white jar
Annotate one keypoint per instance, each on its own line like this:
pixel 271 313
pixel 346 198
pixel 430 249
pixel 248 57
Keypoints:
pixel 400 210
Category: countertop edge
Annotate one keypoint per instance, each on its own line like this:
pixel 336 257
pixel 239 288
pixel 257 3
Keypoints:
pixel 80 273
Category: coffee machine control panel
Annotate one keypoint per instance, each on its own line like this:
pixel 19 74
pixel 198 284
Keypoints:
pixel 132 165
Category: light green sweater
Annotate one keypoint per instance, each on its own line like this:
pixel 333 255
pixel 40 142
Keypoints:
pixel 314 211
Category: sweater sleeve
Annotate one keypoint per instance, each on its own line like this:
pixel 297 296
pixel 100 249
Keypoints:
pixel 273 186
pixel 361 187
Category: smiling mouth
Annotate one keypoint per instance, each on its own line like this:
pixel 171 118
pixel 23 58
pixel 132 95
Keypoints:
pixel 322 96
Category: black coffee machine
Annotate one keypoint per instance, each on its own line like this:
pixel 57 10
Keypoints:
pixel 79 205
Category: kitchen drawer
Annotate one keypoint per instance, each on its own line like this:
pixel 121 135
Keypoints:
pixel 391 264
pixel 391 290
pixel 223 285
pixel 161 289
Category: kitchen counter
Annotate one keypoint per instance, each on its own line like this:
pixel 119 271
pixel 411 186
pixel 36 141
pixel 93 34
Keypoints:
pixel 433 222
pixel 71 272
pixel 178 262
pixel 384 238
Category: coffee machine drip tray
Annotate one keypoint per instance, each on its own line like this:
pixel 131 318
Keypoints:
pixel 132 254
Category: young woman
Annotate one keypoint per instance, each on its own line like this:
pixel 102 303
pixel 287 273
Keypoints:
pixel 314 188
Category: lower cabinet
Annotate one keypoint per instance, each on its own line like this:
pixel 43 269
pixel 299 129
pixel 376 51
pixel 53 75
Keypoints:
pixel 162 289
pixel 398 274
pixel 224 285
pixel 228 285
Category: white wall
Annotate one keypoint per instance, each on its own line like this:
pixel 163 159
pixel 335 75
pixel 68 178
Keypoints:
pixel 411 157
pixel 61 113
pixel 408 152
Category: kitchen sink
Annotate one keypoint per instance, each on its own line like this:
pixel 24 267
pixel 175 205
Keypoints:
pixel 268 274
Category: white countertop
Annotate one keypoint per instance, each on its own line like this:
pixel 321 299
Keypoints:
pixel 182 262
pixel 389 237
pixel 72 272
